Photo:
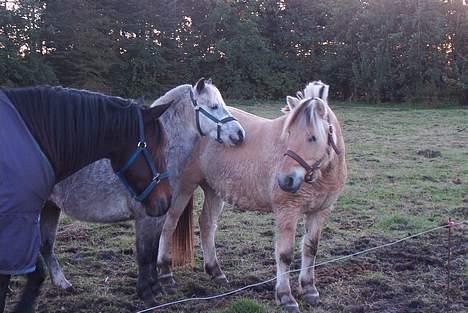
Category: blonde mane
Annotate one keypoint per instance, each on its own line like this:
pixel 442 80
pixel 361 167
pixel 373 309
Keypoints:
pixel 312 103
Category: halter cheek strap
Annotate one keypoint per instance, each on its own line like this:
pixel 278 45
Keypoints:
pixel 310 169
pixel 331 142
pixel 219 123
pixel 142 148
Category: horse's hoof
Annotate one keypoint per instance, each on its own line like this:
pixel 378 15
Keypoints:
pixel 156 289
pixel 287 302
pixel 221 280
pixel 21 309
pixel 312 299
pixel 149 301
pixel 147 297
pixel 170 290
pixel 291 307
pixel 62 283
pixel 167 280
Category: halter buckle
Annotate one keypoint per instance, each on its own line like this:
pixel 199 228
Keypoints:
pixel 142 144
pixel 157 178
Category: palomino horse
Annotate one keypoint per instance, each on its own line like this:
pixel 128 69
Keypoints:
pixel 94 194
pixel 70 129
pixel 293 165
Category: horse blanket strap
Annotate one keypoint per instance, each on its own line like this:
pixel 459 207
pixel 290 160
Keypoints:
pixel 199 109
pixel 309 169
pixel 142 149
pixel 26 181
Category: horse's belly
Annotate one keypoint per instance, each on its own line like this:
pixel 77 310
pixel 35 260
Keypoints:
pixel 102 210
pixel 85 199
pixel 246 199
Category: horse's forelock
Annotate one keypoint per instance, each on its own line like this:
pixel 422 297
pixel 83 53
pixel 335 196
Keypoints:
pixel 309 109
pixel 214 94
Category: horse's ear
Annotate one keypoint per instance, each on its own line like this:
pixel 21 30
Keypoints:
pixel 157 110
pixel 296 107
pixel 200 85
pixel 292 102
pixel 209 81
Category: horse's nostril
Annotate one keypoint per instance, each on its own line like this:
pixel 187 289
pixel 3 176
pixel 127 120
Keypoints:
pixel 236 141
pixel 241 135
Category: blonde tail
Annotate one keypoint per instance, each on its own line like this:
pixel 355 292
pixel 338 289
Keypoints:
pixel 183 239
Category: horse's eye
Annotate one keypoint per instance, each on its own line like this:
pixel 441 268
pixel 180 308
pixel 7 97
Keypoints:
pixel 312 139
pixel 215 107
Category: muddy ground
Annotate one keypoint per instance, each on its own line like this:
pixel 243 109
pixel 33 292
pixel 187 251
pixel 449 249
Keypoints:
pixel 408 171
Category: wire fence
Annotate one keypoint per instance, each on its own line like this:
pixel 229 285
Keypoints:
pixel 225 294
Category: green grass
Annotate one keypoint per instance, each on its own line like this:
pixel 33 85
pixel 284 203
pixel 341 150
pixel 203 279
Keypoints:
pixel 243 306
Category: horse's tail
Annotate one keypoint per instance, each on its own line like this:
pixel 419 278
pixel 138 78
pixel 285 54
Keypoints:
pixel 183 240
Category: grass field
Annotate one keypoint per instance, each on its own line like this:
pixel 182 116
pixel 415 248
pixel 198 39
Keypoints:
pixel 408 171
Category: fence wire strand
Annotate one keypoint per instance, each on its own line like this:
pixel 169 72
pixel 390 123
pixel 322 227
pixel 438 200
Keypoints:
pixel 222 295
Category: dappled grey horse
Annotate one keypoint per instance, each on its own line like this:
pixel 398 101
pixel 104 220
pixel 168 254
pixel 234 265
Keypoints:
pixel 95 194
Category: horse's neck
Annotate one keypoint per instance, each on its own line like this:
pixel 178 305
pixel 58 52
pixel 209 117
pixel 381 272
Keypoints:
pixel 335 174
pixel 66 146
pixel 179 124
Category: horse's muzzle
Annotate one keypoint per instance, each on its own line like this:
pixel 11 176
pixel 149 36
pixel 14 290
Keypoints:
pixel 239 139
pixel 289 183
pixel 159 207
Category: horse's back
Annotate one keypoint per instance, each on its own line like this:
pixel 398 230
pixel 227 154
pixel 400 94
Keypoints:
pixel 252 163
pixel 246 116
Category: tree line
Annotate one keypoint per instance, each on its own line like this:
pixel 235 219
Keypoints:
pixel 367 50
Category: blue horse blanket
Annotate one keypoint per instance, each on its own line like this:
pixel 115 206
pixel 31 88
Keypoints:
pixel 26 181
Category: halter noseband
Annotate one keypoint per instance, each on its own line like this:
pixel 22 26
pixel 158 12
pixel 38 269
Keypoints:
pixel 310 169
pixel 219 123
pixel 142 148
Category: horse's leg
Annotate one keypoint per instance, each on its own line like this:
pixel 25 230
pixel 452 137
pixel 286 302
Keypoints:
pixel 212 208
pixel 313 226
pixel 286 223
pixel 148 231
pixel 164 255
pixel 49 221
pixel 4 282
pixel 34 282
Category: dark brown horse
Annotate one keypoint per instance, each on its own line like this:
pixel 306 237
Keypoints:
pixel 47 134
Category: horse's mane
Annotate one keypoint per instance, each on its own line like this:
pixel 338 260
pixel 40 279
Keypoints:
pixel 173 95
pixel 73 126
pixel 316 89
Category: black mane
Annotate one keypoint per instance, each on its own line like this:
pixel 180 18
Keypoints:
pixel 75 127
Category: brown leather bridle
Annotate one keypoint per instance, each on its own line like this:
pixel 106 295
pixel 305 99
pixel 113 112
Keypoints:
pixel 310 169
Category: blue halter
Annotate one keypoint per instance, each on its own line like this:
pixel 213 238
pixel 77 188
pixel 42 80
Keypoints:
pixel 142 148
